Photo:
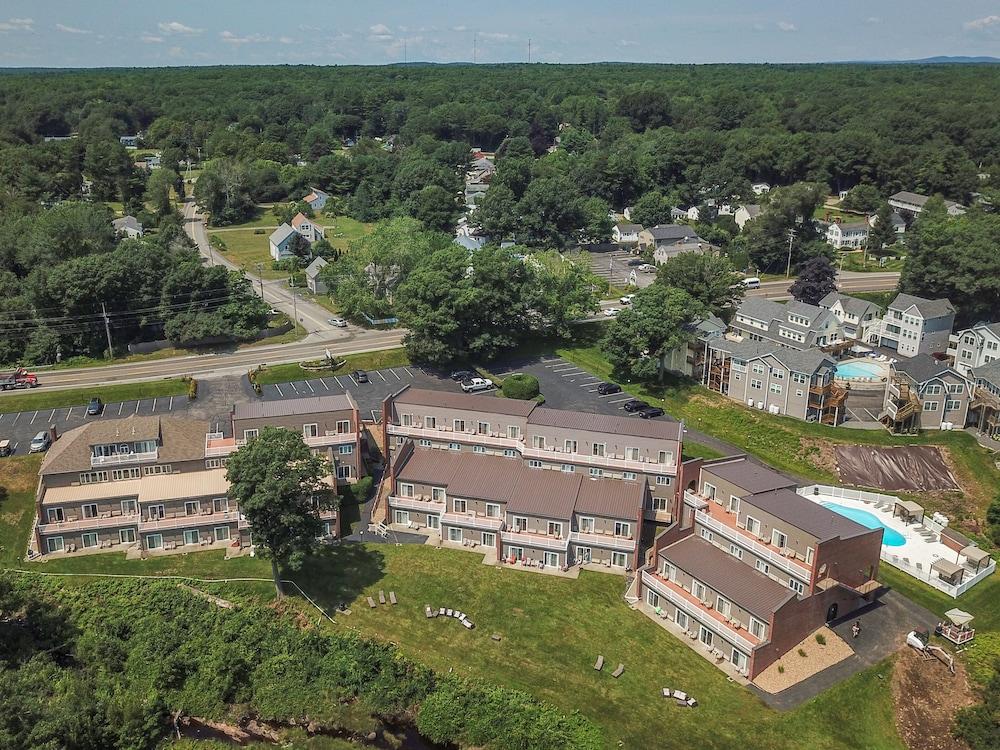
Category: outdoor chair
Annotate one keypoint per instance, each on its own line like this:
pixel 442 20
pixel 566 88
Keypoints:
pixel 428 611
pixel 381 597
pixel 618 672
pixel 599 664
pixel 468 624
pixel 665 692
pixel 691 703
pixel 680 695
pixel 371 602
pixel 392 597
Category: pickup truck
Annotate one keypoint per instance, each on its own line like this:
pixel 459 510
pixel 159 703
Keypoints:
pixel 20 378
pixel 476 384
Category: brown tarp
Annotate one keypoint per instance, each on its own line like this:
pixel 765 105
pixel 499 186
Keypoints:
pixel 912 467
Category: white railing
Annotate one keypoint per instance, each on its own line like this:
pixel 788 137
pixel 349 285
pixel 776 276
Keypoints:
pixel 693 610
pixel 525 539
pixel 100 522
pixel 695 501
pixel 414 503
pixel 331 438
pixel 602 540
pixel 761 550
pixel 611 462
pixel 931 578
pixel 123 458
pixel 443 433
pixel 193 521
pixel 470 519
pixel 935 525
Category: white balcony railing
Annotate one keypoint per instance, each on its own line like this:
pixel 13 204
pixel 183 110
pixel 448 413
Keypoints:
pixel 608 462
pixel 602 540
pixel 192 521
pixel 700 614
pixel 538 541
pixel 123 458
pixel 772 556
pixel 472 520
pixel 415 503
pixel 225 446
pixel 443 433
pixel 82 524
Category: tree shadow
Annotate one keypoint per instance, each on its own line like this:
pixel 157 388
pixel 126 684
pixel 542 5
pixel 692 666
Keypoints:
pixel 338 574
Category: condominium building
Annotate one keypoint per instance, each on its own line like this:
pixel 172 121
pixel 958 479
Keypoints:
pixel 596 446
pixel 974 347
pixel 795 325
pixel 750 567
pixel 914 325
pixel 150 484
pixel 859 319
pixel 913 203
pixel 925 393
pixel 984 409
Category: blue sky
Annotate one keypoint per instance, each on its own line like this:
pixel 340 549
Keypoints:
pixel 85 33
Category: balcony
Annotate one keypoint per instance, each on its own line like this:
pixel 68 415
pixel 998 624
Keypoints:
pixel 710 618
pixel 120 459
pixel 621 463
pixel 218 445
pixel 188 522
pixel 330 438
pixel 536 541
pixel 104 521
pixel 445 433
pixel 416 503
pixel 472 520
pixel 602 540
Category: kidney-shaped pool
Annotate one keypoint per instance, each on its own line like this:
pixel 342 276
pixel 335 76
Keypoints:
pixel 890 537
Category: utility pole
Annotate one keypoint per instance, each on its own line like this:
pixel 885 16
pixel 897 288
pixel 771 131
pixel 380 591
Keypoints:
pixel 788 268
pixel 260 277
pixel 107 330
pixel 295 310
pixel 529 50
pixel 475 47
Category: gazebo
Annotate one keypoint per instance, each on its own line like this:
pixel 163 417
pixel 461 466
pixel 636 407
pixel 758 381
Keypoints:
pixel 975 557
pixel 908 510
pixel 948 571
pixel 957 630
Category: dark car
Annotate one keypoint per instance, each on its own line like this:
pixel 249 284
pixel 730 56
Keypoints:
pixel 95 407
pixel 460 376
pixel 360 376
pixel 605 388
pixel 634 405
pixel 650 411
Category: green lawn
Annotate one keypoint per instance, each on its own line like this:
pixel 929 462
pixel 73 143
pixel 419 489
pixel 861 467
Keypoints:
pixel 857 261
pixel 246 249
pixel 365 361
pixel 343 230
pixel 882 299
pixel 42 399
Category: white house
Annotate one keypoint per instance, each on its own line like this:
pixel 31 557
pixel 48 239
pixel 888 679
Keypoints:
pixel 859 319
pixel 975 346
pixel 898 222
pixel 759 188
pixel 693 213
pixel 745 214
pixel 914 325
pixel 626 234
pixel 913 203
pixel 316 199
pixel 127 226
pixel 853 234
pixel 307 228
pixel 279 242
pixel 315 284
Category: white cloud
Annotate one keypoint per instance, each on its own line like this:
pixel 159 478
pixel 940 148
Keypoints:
pixel 495 36
pixel 230 38
pixel 286 40
pixel 460 28
pixel 176 27
pixel 873 19
pixel 786 26
pixel 981 24
pixel 151 39
pixel 628 43
pixel 380 29
pixel 71 29
pixel 176 52
pixel 17 24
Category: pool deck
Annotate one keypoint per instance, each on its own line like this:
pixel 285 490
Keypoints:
pixel 878 374
pixel 923 545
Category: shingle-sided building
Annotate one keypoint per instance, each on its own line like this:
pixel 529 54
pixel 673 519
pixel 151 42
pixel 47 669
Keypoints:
pixel 914 325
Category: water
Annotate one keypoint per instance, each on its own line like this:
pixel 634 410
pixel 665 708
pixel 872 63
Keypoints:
pixel 860 369
pixel 890 537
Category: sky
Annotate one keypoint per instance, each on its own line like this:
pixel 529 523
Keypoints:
pixel 97 33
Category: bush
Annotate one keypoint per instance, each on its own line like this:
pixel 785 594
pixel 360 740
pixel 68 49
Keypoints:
pixel 520 386
pixel 358 492
pixel 781 669
pixel 192 387
pixel 821 639
pixel 802 653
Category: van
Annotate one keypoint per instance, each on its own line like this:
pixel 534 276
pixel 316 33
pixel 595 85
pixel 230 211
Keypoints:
pixel 751 282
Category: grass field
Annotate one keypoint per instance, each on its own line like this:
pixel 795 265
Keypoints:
pixel 854 262
pixel 42 399
pixel 366 361
pixel 246 249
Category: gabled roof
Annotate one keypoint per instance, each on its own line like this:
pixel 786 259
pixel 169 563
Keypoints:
pixel 545 493
pixel 628 228
pixel 852 305
pixel 281 234
pixel 472 401
pixel 313 269
pixel 923 367
pixel 804 514
pixel 293 406
pixel 905 196
pixel 988 373
pixel 928 308
pixel 748 475
pixel 612 425
pixel 611 498
pixel 806 361
pixel 852 226
pixel 469 243
pixel 672 232
pixel 127 222
pixel 298 219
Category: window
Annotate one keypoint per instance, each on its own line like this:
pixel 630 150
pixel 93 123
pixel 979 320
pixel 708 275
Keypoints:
pixel 796 586
pixel 932 390
pixel 952 405
pixel 762 567
pixel 55 515
pixel 534 464
pixel 586 525
pixel 343 472
pixel 159 469
pixel 407 420
pixel 458 505
pixel 454 534
pixel 250 434
pixel 753 525
pixel 597 449
pixel 429 422
pixel 665 457
pixel 755 384
pixel 596 472
pixel 483 428
pixel 479 449
pixel 629 475
pixel 509 453
pixel 222 533
pixel 931 405
pixel 118 475
pixel 489 539
pixel 623 529
pixel 734 504
pixel 809 555
pixel 779 539
pixel 708 490
pixel 705 635
pixel 520 523
pixel 220 504
pixel 126 536
pixel 513 432
pixel 424 443
pixel 799 378
pixel 570 446
pixel 757 628
pixel 345 450
pixel 89 510
pixel 775 388
pixel 554 528
pixel 405 489
pixel 54 544
pixel 736 552
pixel 344 426
pixel 433 522
pixel 154 541
pixel 492 510
pixel 619 560
pixel 538 441
pixel 155 512
pixel 585 555
pixel 662 481
pixel 568 468
pixel 778 374
pixel 631 454
pixel 191 507
pixel 90 477
pixel 400 439
pixel 661 504
pixel 758 368
pixel 681 619
pixel 652 598
pixel 723 606
pixel 739 660
pixel 192 536
pixel 438 495
pixel 799 393
pixel 402 517
pixel 668 571
pixel 89 540
pixel 698 589
pixel 310 430
pixel 707 535
pixel 454 446
pixel 458 425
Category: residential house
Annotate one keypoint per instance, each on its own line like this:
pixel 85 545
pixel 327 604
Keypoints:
pixel 751 568
pixel 925 393
pixel 627 212
pixel 626 234
pixel 678 214
pixel 129 141
pixel 848 234
pixel 316 199
pixel 307 228
pixel 795 325
pixel 313 281
pixel 759 188
pixel 914 325
pixel 596 446
pixel 746 213
pixel 984 409
pixel 127 226
pixel 898 222
pixel 975 346
pixel 913 203
pixel 859 319
pixel 688 358
pixel 280 242
pixel 668 240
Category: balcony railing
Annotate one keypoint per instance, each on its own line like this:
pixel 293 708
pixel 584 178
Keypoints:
pixel 217 445
pixel 82 524
pixel 538 541
pixel 470 519
pixel 445 433
pixel 123 458
pixel 610 462
pixel 415 503
pixel 699 613
pixel 187 522
pixel 602 540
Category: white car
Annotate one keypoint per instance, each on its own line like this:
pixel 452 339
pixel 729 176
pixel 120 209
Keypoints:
pixel 611 312
pixel 627 299
pixel 647 268
pixel 337 322
pixel 476 384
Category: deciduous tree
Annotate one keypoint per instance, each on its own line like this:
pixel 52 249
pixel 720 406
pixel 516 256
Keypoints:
pixel 816 278
pixel 710 279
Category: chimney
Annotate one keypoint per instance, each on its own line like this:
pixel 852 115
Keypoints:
pixel 53 433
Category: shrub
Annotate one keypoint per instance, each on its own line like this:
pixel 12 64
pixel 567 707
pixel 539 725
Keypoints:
pixel 358 492
pixel 802 653
pixel 192 387
pixel 520 386
pixel 821 639
pixel 781 669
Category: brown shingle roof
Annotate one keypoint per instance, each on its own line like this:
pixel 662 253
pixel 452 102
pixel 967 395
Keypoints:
pixel 292 406
pixel 486 477
pixel 611 498
pixel 545 493
pixel 804 514
pixel 736 581
pixel 429 466
pixel 750 476
pixel 612 425
pixel 471 401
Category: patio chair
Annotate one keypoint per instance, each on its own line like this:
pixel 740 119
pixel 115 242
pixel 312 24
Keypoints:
pixel 428 612
pixel 665 692
pixel 468 624
pixel 680 695
pixel 691 703
pixel 599 664
pixel 441 612
pixel 371 602
pixel 381 596
pixel 450 612
pixel 392 597
pixel 618 672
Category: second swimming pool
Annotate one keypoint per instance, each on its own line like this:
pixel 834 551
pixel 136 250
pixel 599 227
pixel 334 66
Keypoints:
pixel 890 537
pixel 860 369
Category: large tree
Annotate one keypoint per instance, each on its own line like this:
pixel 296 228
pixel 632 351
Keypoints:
pixel 279 483
pixel 816 278
pixel 709 279
pixel 787 216
pixel 659 320
pixel 883 234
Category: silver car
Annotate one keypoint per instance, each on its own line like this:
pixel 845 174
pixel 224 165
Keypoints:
pixel 337 322
pixel 40 443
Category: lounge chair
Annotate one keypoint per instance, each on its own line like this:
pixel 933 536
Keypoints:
pixel 468 624
pixel 691 703
pixel 618 672
pixel 680 695
pixel 441 612
pixel 599 664
pixel 450 612
pixel 371 602
pixel 392 597
pixel 429 612
pixel 665 692
pixel 381 596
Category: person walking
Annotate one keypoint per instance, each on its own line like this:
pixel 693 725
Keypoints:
pixel 856 628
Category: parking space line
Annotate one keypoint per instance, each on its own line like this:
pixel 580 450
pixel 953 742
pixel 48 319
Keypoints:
pixel 563 368
pixel 293 387
pixel 1 418
pixel 382 376
pixel 69 413
pixel 570 375
pixel 33 418
pixel 170 406
pixel 621 400
pixel 310 386
pixel 605 395
pixel 351 377
pixel 15 447
pixel 16 417
pixel 52 415
pixel 338 381
pixel 324 383
pixel 393 371
pixel 408 371
pixel 154 406
pixel 137 406
pixel 278 389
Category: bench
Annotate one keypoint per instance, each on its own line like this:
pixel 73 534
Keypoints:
pixel 618 672
pixel 371 602
pixel 392 597
pixel 599 665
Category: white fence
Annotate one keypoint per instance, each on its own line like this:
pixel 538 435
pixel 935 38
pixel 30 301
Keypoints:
pixel 929 577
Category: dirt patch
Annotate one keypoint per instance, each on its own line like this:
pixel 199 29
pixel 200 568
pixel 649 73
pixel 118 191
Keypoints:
pixel 926 697
pixel 795 667
pixel 819 453
pixel 910 467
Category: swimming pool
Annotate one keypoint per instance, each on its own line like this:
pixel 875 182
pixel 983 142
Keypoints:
pixel 890 537
pixel 860 369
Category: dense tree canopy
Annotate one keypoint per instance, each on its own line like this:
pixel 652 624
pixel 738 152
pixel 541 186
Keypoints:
pixel 709 279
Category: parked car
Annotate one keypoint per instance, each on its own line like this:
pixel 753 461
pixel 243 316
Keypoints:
pixel 612 312
pixel 6 449
pixel 627 299
pixel 647 268
pixel 40 443
pixel 751 282
pixel 95 407
pixel 606 388
pixel 634 405
pixel 472 385
pixel 360 376
pixel 337 322
pixel 650 411
pixel 460 376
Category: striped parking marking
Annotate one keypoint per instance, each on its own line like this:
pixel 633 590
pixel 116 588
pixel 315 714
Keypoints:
pixel 278 389
pixel 393 371
pixel 120 407
pixel 408 371
pixel 293 387
pixel 338 381
pixel 606 395
pixel 382 376
pixel 33 418
pixel 324 383
pixel 1 418
pixel 621 400
pixel 16 417
pixel 15 447
pixel 69 413
pixel 310 386
pixel 351 377
pixel 170 406
pixel 154 406
pixel 571 374
pixel 137 406
pixel 52 415
pixel 564 368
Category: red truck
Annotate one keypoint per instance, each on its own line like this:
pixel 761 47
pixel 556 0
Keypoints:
pixel 21 378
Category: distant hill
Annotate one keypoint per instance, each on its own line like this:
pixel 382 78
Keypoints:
pixel 938 60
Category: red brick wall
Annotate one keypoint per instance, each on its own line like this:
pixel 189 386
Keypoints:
pixel 852 561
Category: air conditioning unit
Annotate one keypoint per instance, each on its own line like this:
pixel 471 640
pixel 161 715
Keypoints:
pixel 773 409
pixel 750 402
pixel 760 405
